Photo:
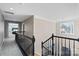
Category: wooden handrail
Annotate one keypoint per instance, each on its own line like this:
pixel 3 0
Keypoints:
pixel 61 37
pixel 47 39
pixel 16 32
pixel 66 38
pixel 23 48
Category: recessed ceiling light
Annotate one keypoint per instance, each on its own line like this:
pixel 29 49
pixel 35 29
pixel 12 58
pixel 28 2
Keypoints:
pixel 11 8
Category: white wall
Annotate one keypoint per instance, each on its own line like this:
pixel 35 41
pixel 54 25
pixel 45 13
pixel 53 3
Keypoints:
pixel 1 29
pixel 28 26
pixel 43 29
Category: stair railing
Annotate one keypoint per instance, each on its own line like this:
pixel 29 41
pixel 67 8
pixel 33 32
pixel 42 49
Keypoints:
pixel 59 46
pixel 25 43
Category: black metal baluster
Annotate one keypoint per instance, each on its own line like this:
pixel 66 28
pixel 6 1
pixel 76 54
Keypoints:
pixel 52 44
pixel 33 40
pixel 42 47
pixel 73 47
pixel 55 46
pixel 69 48
pixel 65 47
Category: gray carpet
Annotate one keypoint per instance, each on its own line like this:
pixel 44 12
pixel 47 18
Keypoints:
pixel 10 48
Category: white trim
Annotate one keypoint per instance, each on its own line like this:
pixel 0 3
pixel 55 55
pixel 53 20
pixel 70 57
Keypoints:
pixel 66 20
pixel 42 18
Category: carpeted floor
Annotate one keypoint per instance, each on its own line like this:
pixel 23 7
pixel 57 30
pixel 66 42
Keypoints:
pixel 10 48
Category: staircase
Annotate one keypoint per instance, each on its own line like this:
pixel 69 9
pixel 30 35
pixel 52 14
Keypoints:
pixel 59 46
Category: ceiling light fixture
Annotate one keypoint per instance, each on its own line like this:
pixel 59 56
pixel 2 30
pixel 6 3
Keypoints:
pixel 12 9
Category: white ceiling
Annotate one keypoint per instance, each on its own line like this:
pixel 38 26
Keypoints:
pixel 17 18
pixel 51 11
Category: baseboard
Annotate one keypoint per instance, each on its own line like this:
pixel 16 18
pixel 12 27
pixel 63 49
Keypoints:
pixel 36 54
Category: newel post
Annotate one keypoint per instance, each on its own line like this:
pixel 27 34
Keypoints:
pixel 42 47
pixel 78 39
pixel 33 41
pixel 52 44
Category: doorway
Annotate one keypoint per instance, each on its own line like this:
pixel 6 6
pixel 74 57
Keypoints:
pixel 12 27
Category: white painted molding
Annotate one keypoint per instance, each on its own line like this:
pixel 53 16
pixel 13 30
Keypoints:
pixel 71 19
pixel 42 18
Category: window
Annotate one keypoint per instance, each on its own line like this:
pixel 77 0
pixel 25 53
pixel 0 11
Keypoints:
pixel 12 27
